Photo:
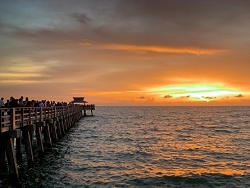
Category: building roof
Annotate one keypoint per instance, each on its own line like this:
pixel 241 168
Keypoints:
pixel 79 100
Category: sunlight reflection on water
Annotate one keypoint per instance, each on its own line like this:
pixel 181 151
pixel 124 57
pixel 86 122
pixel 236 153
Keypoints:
pixel 153 147
pixel 142 142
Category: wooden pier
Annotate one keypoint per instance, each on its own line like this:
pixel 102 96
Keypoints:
pixel 19 125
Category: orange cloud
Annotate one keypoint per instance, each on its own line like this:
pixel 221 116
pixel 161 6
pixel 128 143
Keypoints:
pixel 160 49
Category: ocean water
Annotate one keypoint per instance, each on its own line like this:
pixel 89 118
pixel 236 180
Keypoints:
pixel 149 147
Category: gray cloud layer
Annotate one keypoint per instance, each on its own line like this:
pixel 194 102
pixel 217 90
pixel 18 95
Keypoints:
pixel 174 23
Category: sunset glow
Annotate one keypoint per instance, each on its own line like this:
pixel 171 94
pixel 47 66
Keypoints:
pixel 123 53
pixel 205 92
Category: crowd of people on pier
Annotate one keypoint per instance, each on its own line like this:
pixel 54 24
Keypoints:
pixel 21 102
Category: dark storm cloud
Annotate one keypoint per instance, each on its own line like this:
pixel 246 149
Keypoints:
pixel 201 24
pixel 183 12
pixel 80 17
pixel 181 22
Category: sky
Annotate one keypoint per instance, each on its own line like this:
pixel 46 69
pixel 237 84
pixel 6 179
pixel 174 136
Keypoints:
pixel 126 52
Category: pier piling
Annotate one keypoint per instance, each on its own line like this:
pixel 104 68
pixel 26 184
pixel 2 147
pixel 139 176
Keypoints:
pixel 47 137
pixel 3 162
pixel 58 128
pixel 14 174
pixel 19 153
pixel 39 139
pixel 28 147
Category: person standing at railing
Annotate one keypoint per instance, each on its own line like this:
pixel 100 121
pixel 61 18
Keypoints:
pixel 25 103
pixel 13 102
pixel 36 103
pixel 48 104
pixel 30 103
pixel 20 102
pixel 53 103
pixel 2 103
pixel 7 104
pixel 41 104
pixel 2 106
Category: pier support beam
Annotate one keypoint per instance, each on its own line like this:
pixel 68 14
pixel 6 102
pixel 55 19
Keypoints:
pixel 58 128
pixel 47 137
pixel 9 146
pixel 39 138
pixel 31 135
pixel 62 125
pixel 68 122
pixel 53 130
pixel 79 115
pixel 28 144
pixel 66 125
pixel 19 153
pixel 72 120
pixel 3 163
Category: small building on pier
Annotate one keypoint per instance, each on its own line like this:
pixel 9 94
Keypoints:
pixel 79 100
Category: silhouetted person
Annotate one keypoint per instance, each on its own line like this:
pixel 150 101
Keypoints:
pixel 13 102
pixel 26 101
pixel 2 103
pixel 20 102
pixel 7 104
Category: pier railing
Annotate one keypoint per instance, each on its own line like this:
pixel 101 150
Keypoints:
pixel 13 118
pixel 18 126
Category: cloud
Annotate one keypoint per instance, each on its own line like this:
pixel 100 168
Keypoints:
pixel 209 98
pixel 186 96
pixel 199 20
pixel 184 13
pixel 160 49
pixel 167 96
pixel 239 96
pixel 86 42
pixel 80 17
pixel 129 23
pixel 137 22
